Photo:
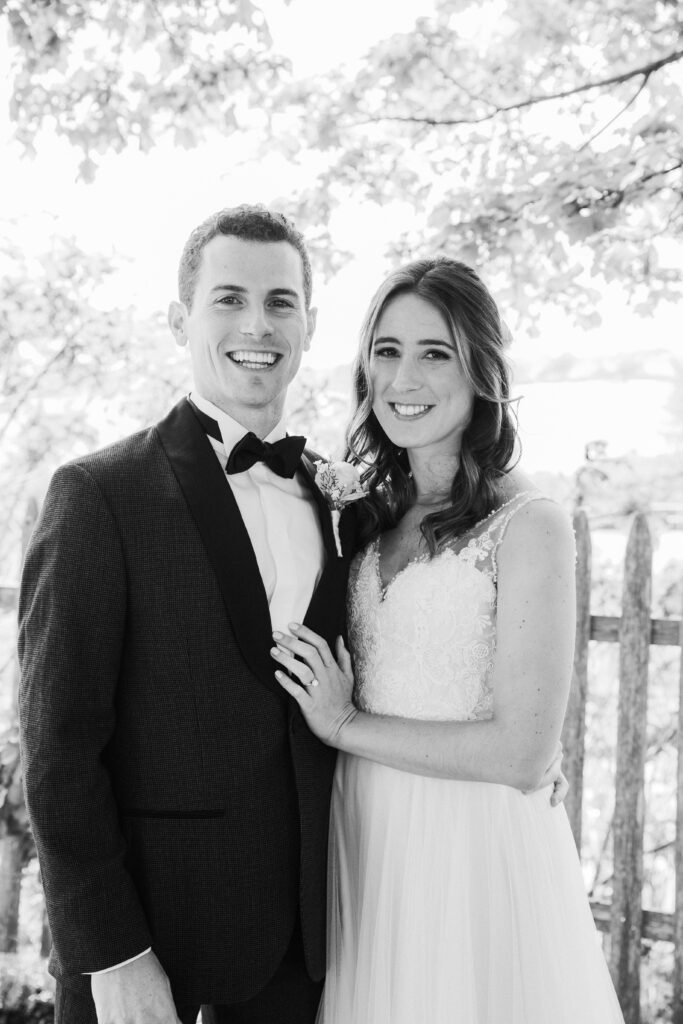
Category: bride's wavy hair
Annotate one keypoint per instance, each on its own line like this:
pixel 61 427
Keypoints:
pixel 489 440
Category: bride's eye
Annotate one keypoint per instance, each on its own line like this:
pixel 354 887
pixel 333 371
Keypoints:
pixel 435 354
pixel 387 351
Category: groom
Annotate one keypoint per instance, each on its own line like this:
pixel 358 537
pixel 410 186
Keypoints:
pixel 178 801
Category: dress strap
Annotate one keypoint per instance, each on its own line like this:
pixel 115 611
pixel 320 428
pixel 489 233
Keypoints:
pixel 500 520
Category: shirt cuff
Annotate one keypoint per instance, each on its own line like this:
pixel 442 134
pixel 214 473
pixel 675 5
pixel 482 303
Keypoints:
pixel 116 966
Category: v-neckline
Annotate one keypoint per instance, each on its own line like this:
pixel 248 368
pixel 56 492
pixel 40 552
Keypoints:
pixel 425 557
pixel 385 588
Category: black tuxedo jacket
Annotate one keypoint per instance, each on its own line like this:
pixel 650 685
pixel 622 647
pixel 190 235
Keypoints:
pixel 176 795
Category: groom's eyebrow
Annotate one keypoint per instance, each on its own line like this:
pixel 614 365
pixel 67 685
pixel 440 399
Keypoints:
pixel 291 292
pixel 228 288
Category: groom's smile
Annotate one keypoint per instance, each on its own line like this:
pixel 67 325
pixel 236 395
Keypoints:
pixel 254 360
pixel 247 328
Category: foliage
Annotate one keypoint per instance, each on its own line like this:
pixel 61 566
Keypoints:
pixel 539 142
pixel 26 991
pixel 609 488
pixel 542 143
pixel 110 73
pixel 318 411
pixel 66 359
pixel 51 328
pixel 13 815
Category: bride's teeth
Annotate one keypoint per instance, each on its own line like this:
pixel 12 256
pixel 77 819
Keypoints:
pixel 409 410
pixel 262 358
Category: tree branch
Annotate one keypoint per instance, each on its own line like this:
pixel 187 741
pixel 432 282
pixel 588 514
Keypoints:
pixel 453 80
pixel 646 69
pixel 657 174
pixel 34 383
pixel 623 110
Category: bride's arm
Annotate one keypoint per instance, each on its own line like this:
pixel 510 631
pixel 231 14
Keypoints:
pixel 531 674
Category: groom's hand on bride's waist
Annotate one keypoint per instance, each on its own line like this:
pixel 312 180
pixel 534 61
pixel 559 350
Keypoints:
pixel 137 993
pixel 553 775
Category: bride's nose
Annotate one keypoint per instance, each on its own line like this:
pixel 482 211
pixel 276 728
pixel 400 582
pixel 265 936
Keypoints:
pixel 407 376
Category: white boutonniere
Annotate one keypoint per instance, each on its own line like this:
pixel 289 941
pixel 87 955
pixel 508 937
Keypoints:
pixel 340 484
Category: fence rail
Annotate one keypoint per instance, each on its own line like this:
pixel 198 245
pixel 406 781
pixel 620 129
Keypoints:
pixel 624 919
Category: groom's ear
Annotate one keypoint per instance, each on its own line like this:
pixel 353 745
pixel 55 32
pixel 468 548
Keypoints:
pixel 311 320
pixel 177 321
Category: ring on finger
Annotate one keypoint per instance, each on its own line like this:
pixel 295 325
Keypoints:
pixel 312 682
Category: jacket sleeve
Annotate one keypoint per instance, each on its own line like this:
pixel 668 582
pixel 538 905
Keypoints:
pixel 72 614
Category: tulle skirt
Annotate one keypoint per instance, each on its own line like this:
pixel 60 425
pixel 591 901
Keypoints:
pixel 456 903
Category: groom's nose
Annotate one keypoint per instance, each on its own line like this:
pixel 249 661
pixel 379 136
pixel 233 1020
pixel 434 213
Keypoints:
pixel 255 322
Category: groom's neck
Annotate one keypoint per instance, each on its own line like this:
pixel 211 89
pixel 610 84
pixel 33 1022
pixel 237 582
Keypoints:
pixel 258 420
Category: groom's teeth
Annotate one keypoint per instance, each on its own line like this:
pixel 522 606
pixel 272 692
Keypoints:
pixel 247 358
pixel 410 410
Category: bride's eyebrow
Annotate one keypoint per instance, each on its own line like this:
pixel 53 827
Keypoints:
pixel 435 341
pixel 423 341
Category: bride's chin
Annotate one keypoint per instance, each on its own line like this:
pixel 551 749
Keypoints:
pixel 397 442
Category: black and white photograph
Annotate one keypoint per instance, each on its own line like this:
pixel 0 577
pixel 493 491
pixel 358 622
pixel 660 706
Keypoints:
pixel 341 512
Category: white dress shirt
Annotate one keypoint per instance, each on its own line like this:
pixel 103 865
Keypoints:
pixel 282 521
pixel 281 518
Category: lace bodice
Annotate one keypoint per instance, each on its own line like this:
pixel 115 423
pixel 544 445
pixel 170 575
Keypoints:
pixel 424 646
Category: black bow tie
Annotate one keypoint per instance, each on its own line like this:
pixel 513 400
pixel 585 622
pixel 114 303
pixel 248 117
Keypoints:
pixel 282 457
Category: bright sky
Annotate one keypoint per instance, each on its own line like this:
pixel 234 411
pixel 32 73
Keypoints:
pixel 142 208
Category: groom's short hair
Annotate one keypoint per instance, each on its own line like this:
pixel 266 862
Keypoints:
pixel 251 223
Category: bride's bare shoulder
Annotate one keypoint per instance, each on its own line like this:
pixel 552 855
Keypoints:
pixel 515 482
pixel 539 532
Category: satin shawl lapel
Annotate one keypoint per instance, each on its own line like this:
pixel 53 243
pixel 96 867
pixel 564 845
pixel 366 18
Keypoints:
pixel 323 609
pixel 221 527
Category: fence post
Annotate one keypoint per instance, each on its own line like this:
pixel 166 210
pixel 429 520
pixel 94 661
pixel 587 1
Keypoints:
pixel 634 649
pixel 677 1017
pixel 30 517
pixel 45 936
pixel 573 732
pixel 13 841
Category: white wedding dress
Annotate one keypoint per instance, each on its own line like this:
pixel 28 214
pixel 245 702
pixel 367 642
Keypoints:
pixel 449 902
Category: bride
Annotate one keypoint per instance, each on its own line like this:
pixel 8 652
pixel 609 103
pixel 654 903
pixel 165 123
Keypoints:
pixel 455 892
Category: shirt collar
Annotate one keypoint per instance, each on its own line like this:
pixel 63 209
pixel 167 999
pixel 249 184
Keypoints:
pixel 231 430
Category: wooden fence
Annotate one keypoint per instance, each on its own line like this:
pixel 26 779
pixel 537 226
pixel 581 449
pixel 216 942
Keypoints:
pixel 635 631
pixel 624 918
